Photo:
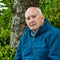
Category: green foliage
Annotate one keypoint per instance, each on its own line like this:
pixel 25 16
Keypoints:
pixel 5 19
pixel 5 23
pixel 51 10
pixel 4 36
pixel 8 3
pixel 6 53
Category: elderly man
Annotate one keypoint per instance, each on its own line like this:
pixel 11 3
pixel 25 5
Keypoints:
pixel 40 40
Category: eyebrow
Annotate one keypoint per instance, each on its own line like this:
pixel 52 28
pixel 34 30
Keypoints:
pixel 32 15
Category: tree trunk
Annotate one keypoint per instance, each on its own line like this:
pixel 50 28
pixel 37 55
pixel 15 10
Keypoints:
pixel 18 24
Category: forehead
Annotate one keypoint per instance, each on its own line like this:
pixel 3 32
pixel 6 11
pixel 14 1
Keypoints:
pixel 31 11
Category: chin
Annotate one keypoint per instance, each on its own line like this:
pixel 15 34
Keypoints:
pixel 33 29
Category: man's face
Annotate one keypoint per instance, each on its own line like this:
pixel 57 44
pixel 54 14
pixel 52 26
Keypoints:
pixel 33 19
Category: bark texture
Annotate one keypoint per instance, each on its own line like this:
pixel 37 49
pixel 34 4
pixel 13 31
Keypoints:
pixel 18 23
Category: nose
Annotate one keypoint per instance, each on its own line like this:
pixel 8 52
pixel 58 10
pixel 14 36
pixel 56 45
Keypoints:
pixel 31 19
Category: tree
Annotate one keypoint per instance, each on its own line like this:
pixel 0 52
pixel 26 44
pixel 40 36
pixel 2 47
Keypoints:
pixel 17 27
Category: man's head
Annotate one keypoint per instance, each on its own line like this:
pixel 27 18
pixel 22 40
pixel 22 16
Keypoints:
pixel 34 18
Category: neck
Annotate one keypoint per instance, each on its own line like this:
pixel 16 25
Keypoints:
pixel 35 31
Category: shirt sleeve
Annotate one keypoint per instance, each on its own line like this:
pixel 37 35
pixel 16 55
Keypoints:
pixel 54 47
pixel 18 55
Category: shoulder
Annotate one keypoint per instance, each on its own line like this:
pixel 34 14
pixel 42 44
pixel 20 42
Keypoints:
pixel 26 31
pixel 53 31
pixel 53 35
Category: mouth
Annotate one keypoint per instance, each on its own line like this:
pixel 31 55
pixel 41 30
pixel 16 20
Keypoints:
pixel 32 24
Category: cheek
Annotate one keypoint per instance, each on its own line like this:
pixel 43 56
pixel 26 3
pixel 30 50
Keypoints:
pixel 27 23
pixel 39 23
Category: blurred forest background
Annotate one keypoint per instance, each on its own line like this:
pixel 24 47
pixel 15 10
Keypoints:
pixel 50 9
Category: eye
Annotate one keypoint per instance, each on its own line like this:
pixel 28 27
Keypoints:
pixel 28 18
pixel 33 16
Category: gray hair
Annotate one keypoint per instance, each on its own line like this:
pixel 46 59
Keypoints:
pixel 38 9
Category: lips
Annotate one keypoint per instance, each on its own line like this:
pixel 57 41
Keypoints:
pixel 32 24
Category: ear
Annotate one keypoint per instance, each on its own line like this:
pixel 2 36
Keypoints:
pixel 42 18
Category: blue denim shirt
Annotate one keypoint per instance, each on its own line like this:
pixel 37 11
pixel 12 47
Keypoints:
pixel 44 45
